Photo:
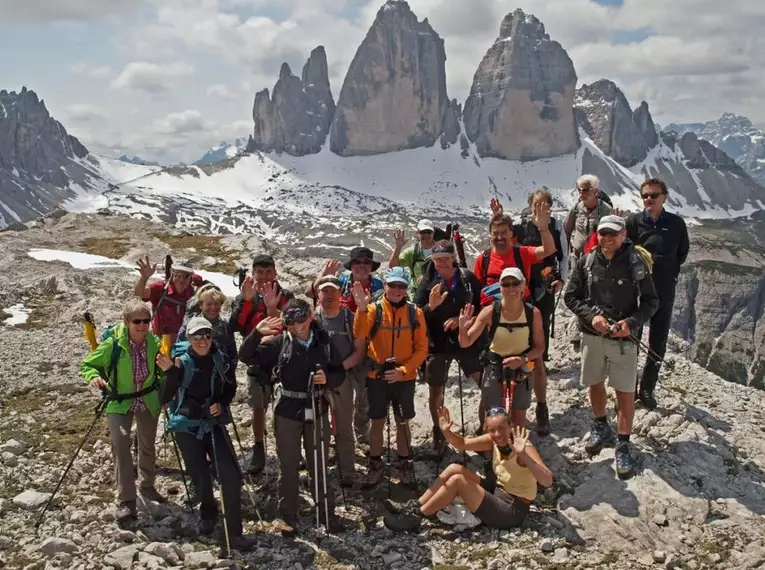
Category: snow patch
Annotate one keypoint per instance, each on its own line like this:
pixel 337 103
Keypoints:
pixel 19 315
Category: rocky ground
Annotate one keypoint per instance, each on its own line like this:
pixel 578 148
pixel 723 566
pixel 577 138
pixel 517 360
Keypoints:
pixel 697 501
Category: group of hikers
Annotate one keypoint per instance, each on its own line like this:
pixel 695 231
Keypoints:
pixel 335 364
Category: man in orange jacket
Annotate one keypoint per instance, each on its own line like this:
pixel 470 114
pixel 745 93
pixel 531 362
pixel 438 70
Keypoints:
pixel 397 340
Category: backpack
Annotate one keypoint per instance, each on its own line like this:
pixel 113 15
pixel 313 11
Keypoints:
pixel 285 354
pixel 486 258
pixel 429 270
pixel 605 197
pixel 179 422
pixel 641 265
pixel 496 315
pixel 414 323
pixel 319 318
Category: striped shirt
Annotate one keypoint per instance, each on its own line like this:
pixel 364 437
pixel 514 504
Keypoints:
pixel 140 373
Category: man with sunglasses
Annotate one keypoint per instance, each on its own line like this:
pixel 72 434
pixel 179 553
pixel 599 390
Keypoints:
pixel 612 293
pixel 360 268
pixel 584 217
pixel 413 258
pixel 168 299
pixel 261 296
pixel 665 235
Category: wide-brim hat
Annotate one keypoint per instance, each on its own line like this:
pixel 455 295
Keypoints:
pixel 361 252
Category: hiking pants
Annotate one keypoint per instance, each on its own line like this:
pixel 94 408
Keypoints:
pixel 546 306
pixel 658 333
pixel 119 430
pixel 358 379
pixel 342 408
pixel 195 453
pixel 289 434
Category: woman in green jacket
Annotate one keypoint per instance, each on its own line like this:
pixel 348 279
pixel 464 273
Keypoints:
pixel 124 367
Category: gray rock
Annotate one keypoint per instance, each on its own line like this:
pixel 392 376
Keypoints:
pixel 659 556
pixel 203 559
pixel 546 545
pixel 520 103
pixel 53 545
pixel 451 129
pixel 659 520
pixel 122 558
pixel 560 556
pixel 13 447
pixel 9 459
pixel 645 125
pixel 394 94
pixel 165 551
pixel 31 500
pixel 604 113
pixel 391 558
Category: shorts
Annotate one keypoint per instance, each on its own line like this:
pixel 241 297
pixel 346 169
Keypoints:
pixel 382 394
pixel 617 359
pixel 503 511
pixel 258 395
pixel 437 370
pixel 493 390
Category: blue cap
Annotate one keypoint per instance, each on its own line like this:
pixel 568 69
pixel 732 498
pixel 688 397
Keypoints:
pixel 397 275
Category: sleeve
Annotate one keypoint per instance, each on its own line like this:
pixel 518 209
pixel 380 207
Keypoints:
pixel 155 293
pixel 96 363
pixel 172 383
pixel 231 351
pixel 477 267
pixel 362 322
pixel 181 336
pixel 409 368
pixel 563 260
pixel 575 293
pixel 684 245
pixel 649 304
pixel 422 296
pixel 568 225
pixel 632 228
pixel 406 258
pixel 240 315
pixel 264 355
pixel 529 258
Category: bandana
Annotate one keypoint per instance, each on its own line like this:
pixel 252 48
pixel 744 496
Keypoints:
pixel 295 316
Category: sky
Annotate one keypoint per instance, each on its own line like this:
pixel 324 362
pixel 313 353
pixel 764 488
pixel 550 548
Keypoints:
pixel 166 79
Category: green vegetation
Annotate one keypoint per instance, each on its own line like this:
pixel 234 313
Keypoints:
pixel 199 246
pixel 111 247
pixel 40 316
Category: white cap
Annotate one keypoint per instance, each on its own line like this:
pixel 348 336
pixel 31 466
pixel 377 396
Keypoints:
pixel 425 225
pixel 183 268
pixel 198 323
pixel 513 272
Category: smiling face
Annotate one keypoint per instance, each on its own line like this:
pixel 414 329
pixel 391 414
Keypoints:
pixel 201 341
pixel 610 241
pixel 426 238
pixel 395 292
pixel 299 322
pixel 211 309
pixel 264 274
pixel 512 289
pixel 498 427
pixel 444 264
pixel 501 237
pixel 180 280
pixel 361 268
pixel 138 325
pixel 588 195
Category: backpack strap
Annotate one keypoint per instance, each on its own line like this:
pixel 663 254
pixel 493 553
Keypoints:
pixel 485 259
pixel 285 354
pixel 377 322
pixel 347 321
pixel 519 258
pixel 589 259
pixel 413 322
pixel 496 313
pixel 467 285
pixel 112 374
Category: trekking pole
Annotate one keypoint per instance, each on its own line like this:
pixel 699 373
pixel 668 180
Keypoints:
pixel 320 427
pixel 462 412
pixel 340 467
pixel 555 310
pixel 222 496
pixel 178 459
pixel 99 410
pixel 315 451
pixel 389 463
pixel 248 478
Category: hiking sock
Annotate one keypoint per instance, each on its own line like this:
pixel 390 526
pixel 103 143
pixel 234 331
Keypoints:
pixel 624 437
pixel 602 420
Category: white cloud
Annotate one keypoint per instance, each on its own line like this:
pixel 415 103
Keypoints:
pixel 12 11
pixel 219 90
pixel 84 69
pixel 151 77
pixel 81 113
pixel 182 123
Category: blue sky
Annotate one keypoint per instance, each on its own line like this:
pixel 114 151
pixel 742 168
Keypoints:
pixel 165 79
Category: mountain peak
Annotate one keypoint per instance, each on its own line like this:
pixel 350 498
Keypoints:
pixel 520 23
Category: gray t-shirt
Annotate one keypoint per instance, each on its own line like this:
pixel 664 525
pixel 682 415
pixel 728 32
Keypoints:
pixel 340 329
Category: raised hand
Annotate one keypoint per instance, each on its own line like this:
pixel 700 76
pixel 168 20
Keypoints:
pixel 332 267
pixel 466 317
pixel 249 288
pixel 444 419
pixel 271 295
pixel 164 362
pixel 436 297
pixel 145 268
pixel 399 238
pixel 451 324
pixel 359 295
pixel 496 207
pixel 520 438
pixel 269 326
pixel 618 212
pixel 541 215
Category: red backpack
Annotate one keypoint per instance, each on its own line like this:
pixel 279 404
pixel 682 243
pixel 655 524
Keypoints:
pixel 592 242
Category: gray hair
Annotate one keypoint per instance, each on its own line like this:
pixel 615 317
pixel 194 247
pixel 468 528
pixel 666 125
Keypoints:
pixel 135 307
pixel 590 179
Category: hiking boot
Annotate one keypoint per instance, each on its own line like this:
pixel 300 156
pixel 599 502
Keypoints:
pixel 646 398
pixel 207 526
pixel 257 459
pixel 336 524
pixel 126 510
pixel 625 463
pixel 290 527
pixel 243 543
pixel 405 469
pixel 151 494
pixel 375 473
pixel 193 498
pixel 348 481
pixel 600 435
pixel 543 419
pixel 402 523
pixel 439 442
pixel 410 507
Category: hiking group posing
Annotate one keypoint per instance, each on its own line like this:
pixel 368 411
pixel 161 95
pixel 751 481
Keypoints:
pixel 346 366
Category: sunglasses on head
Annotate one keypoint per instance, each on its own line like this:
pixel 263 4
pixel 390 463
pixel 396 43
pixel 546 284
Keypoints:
pixel 652 196
pixel 141 321
pixel 295 316
pixel 397 285
pixel 510 283
pixel 201 336
pixel 607 233
pixel 496 412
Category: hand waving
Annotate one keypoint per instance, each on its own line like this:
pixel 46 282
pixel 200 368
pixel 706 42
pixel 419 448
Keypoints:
pixel 332 267
pixel 444 419
pixel 269 326
pixel 541 215
pixel 520 438
pixel 359 295
pixel 249 288
pixel 271 295
pixel 436 297
pixel 466 317
pixel 164 362
pixel 399 238
pixel 146 268
pixel 496 207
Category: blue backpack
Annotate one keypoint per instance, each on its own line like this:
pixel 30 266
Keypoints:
pixel 179 422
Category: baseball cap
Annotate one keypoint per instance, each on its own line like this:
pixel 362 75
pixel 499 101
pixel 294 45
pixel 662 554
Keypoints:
pixel 184 266
pixel 263 259
pixel 328 281
pixel 197 324
pixel 397 275
pixel 425 225
pixel 615 223
pixel 513 272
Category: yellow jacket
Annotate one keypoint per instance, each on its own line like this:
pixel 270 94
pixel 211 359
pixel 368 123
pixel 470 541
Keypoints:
pixel 394 337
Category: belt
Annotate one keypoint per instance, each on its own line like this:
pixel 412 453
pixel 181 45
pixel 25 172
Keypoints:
pixel 295 395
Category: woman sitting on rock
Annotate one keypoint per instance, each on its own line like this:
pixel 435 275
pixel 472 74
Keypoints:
pixel 517 465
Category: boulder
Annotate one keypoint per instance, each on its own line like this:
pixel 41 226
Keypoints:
pixel 122 558
pixel 52 546
pixel 31 500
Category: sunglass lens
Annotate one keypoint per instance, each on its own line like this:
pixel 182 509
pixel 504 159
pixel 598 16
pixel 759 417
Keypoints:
pixel 141 321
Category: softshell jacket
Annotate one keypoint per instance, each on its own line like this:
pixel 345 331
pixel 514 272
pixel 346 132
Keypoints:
pixel 394 337
pixel 98 362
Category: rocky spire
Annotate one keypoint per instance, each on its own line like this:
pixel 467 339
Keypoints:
pixel 394 95
pixel 520 104
pixel 645 125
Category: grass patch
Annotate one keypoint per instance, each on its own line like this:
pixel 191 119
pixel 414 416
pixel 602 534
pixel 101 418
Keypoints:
pixel 112 247
pixel 200 247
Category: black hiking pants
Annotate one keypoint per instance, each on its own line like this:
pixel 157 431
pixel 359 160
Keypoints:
pixel 658 333
pixel 546 306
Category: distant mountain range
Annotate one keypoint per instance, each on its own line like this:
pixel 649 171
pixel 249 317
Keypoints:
pixel 136 160
pixel 223 151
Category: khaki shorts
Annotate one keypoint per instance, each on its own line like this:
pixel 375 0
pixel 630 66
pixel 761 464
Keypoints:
pixel 616 359
pixel 258 396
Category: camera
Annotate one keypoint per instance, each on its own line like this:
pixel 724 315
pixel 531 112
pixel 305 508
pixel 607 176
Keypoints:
pixel 389 364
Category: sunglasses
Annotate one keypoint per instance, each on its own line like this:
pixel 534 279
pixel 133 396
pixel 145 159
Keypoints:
pixel 607 233
pixel 361 261
pixel 295 317
pixel 510 283
pixel 425 232
pixel 141 321
pixel 496 412
pixel 651 196
pixel 397 286
pixel 584 190
pixel 179 275
pixel 201 336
